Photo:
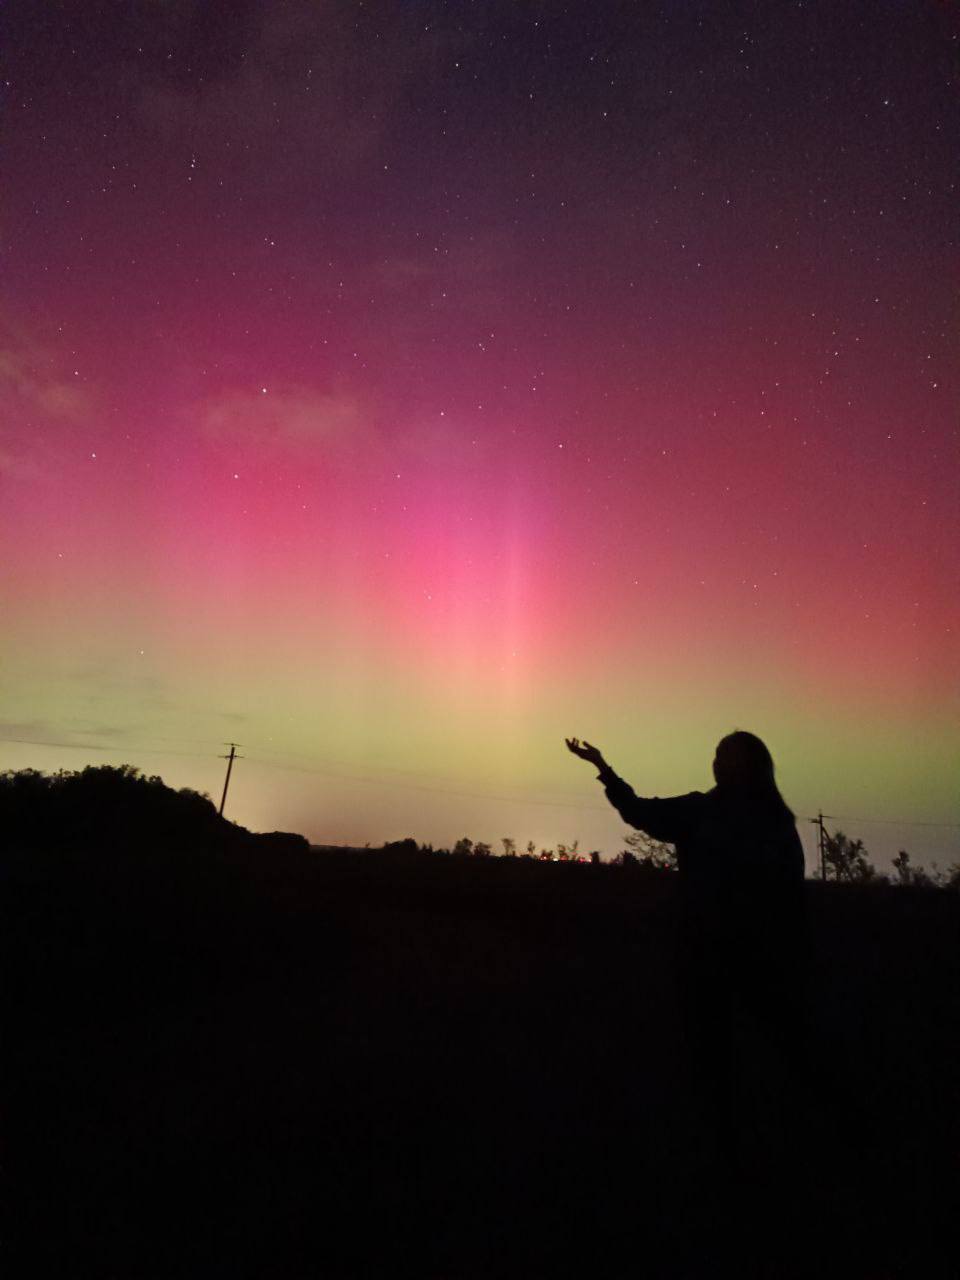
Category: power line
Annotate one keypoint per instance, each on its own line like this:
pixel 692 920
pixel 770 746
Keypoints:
pixel 885 822
pixel 444 791
pixel 115 750
pixel 384 778
pixel 373 780
pixel 330 767
pixel 898 822
pixel 197 742
pixel 557 804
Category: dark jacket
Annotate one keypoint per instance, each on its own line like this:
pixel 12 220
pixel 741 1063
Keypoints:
pixel 742 942
pixel 729 847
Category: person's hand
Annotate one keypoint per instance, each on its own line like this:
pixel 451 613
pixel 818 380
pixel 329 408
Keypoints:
pixel 586 752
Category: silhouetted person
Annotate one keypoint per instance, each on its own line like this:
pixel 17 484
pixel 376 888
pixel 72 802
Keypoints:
pixel 742 952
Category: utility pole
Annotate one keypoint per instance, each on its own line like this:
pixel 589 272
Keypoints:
pixel 229 759
pixel 821 844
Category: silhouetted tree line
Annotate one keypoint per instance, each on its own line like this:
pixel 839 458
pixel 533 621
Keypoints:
pixel 847 860
pixel 467 848
pixel 106 805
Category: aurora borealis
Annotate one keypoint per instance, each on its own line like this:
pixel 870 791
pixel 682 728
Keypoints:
pixel 397 389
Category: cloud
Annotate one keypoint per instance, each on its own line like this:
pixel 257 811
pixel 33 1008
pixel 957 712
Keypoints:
pixel 41 405
pixel 61 733
pixel 22 375
pixel 19 730
pixel 16 466
pixel 472 275
pixel 292 89
pixel 294 418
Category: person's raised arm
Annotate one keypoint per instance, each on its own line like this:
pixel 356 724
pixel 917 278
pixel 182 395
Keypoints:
pixel 663 819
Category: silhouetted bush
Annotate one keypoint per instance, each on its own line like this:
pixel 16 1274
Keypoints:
pixel 916 877
pixel 104 807
pixel 406 847
pixel 651 853
pixel 283 842
pixel 847 859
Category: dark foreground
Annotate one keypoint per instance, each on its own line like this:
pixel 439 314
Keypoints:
pixel 371 1065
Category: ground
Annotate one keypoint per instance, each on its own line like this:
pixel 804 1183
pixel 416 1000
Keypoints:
pixel 364 1064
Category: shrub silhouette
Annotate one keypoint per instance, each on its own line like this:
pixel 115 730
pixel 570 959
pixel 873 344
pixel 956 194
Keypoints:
pixel 408 846
pixel 103 807
pixel 648 852
pixel 847 859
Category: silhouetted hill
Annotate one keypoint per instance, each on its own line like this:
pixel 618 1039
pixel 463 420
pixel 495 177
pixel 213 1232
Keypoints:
pixel 237 1057
pixel 102 808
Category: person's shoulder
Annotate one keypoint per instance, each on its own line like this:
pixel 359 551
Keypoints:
pixel 691 800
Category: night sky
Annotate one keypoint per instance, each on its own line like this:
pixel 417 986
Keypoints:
pixel 399 388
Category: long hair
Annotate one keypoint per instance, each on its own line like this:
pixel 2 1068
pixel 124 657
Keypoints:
pixel 743 768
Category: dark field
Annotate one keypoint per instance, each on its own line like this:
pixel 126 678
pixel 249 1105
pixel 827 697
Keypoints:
pixel 301 1064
